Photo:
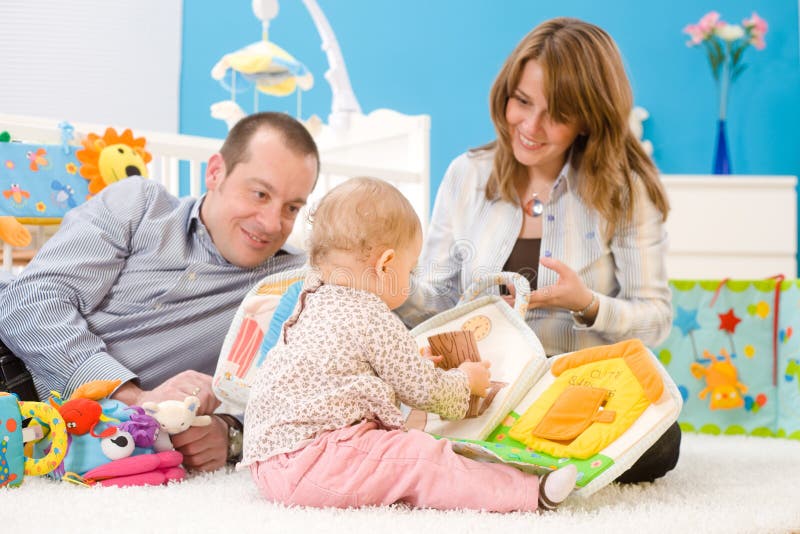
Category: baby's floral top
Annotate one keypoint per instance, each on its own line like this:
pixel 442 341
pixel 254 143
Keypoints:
pixel 343 358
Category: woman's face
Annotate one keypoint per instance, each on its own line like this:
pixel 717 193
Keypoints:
pixel 538 141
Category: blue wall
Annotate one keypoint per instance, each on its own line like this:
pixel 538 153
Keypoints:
pixel 440 58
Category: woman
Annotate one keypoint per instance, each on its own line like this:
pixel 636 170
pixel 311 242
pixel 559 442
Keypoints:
pixel 566 196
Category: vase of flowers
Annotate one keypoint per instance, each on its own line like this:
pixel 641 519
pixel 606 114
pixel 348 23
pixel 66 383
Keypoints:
pixel 725 45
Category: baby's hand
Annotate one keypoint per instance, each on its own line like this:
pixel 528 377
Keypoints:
pixel 427 353
pixel 478 375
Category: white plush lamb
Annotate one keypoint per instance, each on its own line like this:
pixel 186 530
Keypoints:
pixel 174 416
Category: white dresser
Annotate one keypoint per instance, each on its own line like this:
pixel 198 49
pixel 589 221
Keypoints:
pixel 731 226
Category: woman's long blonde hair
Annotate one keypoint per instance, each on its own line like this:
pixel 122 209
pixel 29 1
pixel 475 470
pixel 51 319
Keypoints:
pixel 585 83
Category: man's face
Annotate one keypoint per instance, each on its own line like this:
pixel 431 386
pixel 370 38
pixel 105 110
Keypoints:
pixel 250 211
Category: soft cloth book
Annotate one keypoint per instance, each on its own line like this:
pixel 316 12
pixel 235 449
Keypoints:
pixel 599 408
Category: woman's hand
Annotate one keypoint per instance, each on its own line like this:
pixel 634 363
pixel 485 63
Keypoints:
pixel 569 292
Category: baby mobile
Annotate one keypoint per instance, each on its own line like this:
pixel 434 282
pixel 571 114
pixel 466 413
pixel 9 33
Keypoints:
pixel 264 67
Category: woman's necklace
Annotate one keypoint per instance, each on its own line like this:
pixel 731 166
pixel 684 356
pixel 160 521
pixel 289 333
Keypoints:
pixel 534 207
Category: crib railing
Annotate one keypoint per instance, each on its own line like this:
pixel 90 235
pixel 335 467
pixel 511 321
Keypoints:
pixel 384 144
pixel 168 150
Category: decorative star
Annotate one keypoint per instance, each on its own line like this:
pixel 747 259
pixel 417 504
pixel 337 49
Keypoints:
pixel 686 320
pixel 728 321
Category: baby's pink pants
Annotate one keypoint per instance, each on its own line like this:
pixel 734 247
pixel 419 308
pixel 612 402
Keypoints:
pixel 364 465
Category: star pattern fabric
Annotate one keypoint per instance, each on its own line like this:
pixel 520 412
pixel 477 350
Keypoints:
pixel 728 321
pixel 686 320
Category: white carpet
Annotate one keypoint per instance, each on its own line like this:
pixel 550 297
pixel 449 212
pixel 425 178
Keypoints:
pixel 722 484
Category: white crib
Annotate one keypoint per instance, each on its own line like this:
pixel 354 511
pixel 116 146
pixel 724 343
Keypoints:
pixel 384 144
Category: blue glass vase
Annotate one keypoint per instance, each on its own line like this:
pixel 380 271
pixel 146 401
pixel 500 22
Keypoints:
pixel 722 161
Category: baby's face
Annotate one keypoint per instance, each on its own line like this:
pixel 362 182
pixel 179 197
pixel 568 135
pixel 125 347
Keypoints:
pixel 396 281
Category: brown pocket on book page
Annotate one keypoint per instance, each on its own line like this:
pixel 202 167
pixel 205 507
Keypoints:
pixel 572 412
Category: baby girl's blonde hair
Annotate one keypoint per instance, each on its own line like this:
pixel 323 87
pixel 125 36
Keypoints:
pixel 360 216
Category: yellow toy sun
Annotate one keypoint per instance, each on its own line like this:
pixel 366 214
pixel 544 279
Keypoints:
pixel 112 157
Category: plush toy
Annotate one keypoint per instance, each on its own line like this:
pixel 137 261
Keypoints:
pixel 96 428
pixel 108 442
pixel 112 157
pixel 145 470
pixel 14 463
pixel 127 457
pixel 81 412
pixel 175 416
pixel 13 232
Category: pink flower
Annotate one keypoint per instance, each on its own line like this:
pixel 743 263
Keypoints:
pixel 704 29
pixel 725 43
pixel 709 22
pixel 757 28
pixel 758 42
pixel 694 31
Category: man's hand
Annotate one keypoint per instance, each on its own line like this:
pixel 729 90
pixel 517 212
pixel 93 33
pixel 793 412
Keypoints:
pixel 177 388
pixel 204 448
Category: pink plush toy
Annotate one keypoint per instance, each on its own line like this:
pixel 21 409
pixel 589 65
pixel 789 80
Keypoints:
pixel 142 470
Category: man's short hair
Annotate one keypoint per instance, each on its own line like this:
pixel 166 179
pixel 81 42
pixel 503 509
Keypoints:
pixel 297 138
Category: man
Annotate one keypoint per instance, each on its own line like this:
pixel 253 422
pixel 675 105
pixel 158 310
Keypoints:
pixel 140 286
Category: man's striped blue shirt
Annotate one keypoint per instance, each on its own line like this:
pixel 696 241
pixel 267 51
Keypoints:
pixel 130 287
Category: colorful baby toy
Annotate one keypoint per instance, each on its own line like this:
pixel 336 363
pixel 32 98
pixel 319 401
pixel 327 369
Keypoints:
pixel 14 465
pixel 174 417
pixel 39 182
pixel 112 157
pixel 108 442
pixel 722 382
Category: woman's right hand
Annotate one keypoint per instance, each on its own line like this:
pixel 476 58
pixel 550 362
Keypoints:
pixel 478 376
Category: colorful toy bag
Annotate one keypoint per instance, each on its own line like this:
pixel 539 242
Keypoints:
pixel 40 183
pixel 599 409
pixel 253 332
pixel 733 353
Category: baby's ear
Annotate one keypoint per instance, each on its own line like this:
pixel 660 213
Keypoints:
pixel 384 260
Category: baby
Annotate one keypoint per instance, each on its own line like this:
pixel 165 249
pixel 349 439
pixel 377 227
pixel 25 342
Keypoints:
pixel 323 423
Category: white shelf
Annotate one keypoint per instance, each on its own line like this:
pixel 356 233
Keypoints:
pixel 731 226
